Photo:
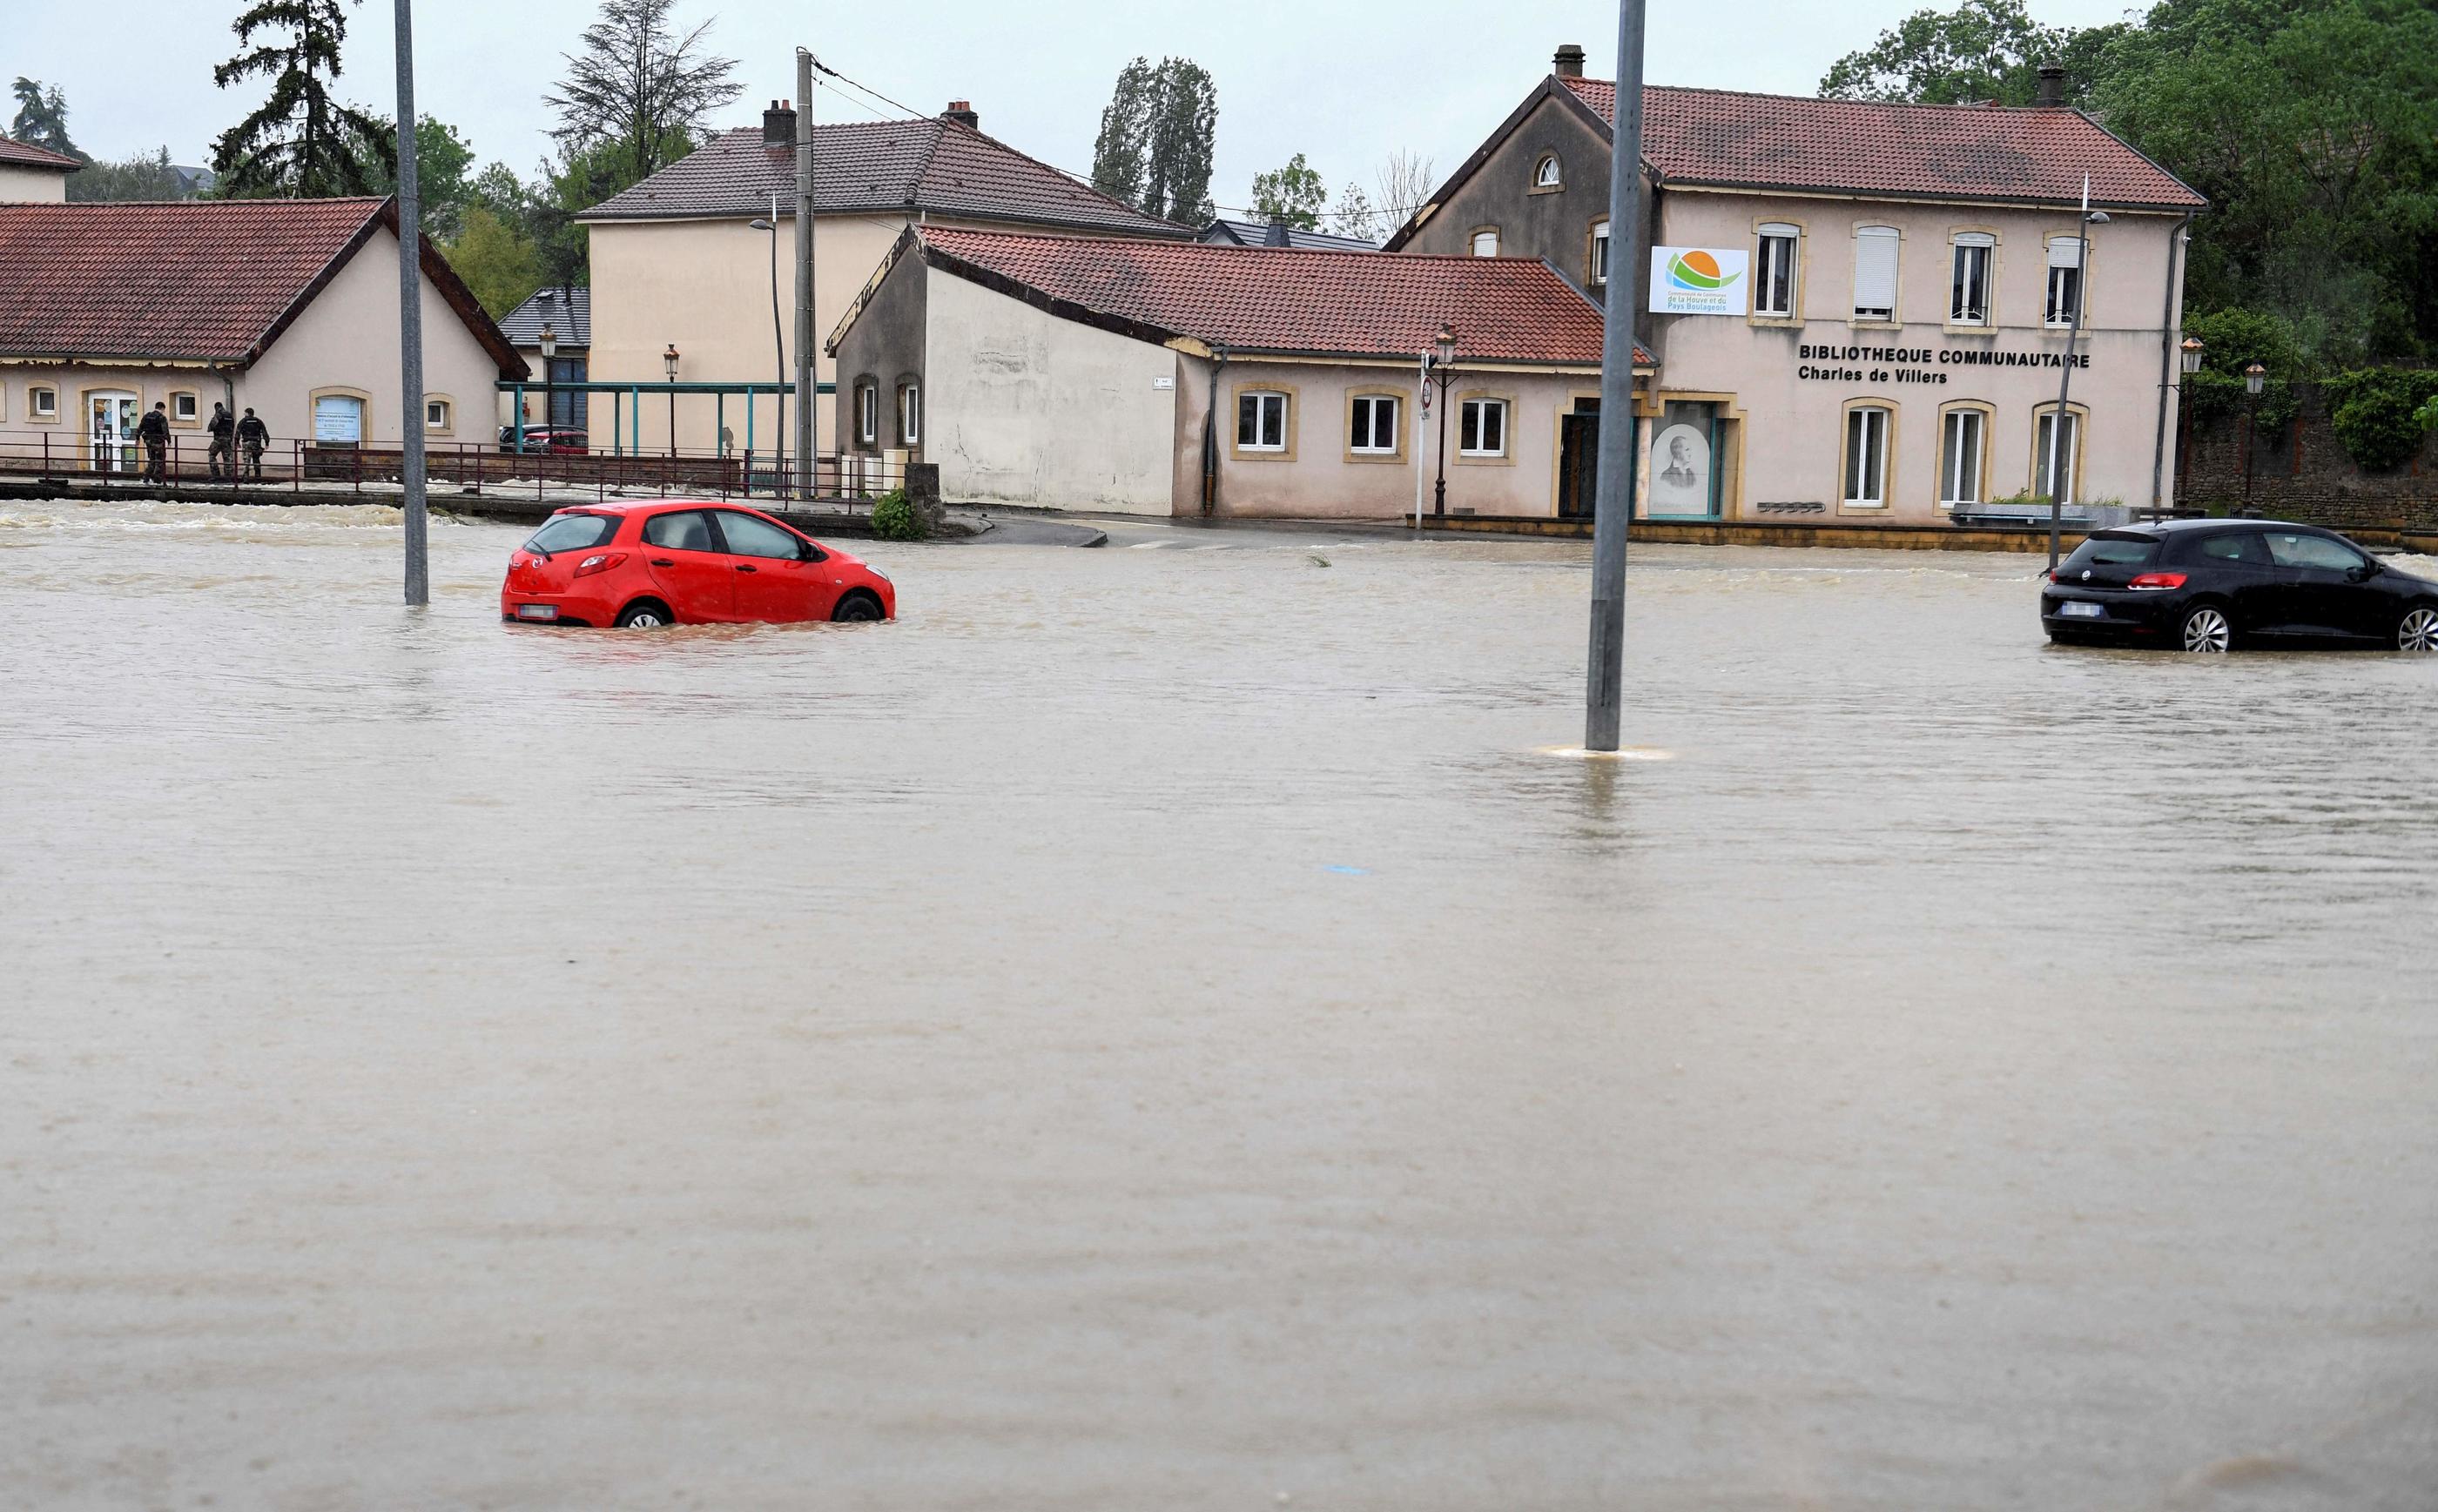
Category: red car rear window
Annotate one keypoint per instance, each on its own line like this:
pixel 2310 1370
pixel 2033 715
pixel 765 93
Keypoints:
pixel 573 532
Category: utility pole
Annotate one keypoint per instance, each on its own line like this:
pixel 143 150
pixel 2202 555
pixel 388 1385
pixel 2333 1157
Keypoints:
pixel 410 315
pixel 807 423
pixel 1604 695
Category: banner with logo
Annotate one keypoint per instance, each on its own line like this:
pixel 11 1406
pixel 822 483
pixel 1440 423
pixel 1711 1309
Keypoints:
pixel 1699 281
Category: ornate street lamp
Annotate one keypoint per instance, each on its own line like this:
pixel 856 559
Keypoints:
pixel 2255 377
pixel 549 400
pixel 669 362
pixel 2192 354
pixel 1443 371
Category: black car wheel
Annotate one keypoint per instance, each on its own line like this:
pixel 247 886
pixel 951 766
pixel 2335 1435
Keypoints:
pixel 2419 631
pixel 644 616
pixel 856 608
pixel 2207 630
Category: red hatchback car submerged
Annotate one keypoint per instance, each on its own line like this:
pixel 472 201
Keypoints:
pixel 638 567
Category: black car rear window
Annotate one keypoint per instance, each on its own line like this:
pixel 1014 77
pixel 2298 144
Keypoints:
pixel 573 532
pixel 2105 550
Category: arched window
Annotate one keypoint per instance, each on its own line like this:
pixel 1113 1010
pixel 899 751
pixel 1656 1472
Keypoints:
pixel 1485 242
pixel 1548 173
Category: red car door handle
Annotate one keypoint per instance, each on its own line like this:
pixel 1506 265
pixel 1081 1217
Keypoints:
pixel 663 561
pixel 742 567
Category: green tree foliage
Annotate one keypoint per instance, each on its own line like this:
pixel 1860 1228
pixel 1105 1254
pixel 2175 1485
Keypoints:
pixel 1293 194
pixel 42 117
pixel 1354 216
pixel 1982 50
pixel 2377 413
pixel 2233 340
pixel 144 176
pixel 498 260
pixel 1157 139
pixel 2312 127
pixel 300 142
pixel 443 166
pixel 639 91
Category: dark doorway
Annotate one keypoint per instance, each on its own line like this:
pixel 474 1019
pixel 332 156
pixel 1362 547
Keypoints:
pixel 1579 461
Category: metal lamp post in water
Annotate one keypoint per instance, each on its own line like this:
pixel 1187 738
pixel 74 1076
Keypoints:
pixel 1604 690
pixel 779 347
pixel 2255 376
pixel 669 365
pixel 1443 349
pixel 549 389
pixel 2061 455
pixel 410 319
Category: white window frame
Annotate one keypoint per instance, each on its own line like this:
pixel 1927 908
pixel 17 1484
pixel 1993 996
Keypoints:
pixel 1472 416
pixel 1365 417
pixel 867 412
pixel 446 420
pixel 1267 403
pixel 2042 421
pixel 1952 459
pixel 35 406
pixel 1548 173
pixel 1863 469
pixel 2064 269
pixel 1599 269
pixel 1487 234
pixel 910 414
pixel 186 407
pixel 1789 240
pixel 1867 235
pixel 1970 290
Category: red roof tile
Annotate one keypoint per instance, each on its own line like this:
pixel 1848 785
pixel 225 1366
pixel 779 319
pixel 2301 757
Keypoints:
pixel 1869 147
pixel 18 154
pixel 1278 299
pixel 204 279
pixel 893 168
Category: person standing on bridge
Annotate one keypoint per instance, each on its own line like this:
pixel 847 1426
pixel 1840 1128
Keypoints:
pixel 222 459
pixel 252 435
pixel 154 431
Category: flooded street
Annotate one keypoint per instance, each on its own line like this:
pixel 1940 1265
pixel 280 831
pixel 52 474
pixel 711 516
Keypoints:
pixel 1153 1029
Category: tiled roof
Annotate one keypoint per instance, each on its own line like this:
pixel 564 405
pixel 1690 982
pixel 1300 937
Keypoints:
pixel 18 154
pixel 892 167
pixel 1278 299
pixel 568 312
pixel 1869 147
pixel 1257 234
pixel 201 280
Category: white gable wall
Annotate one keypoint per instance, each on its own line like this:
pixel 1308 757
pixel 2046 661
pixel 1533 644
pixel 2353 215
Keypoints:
pixel 1028 408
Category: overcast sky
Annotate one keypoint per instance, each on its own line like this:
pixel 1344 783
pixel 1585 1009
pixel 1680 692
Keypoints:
pixel 1345 83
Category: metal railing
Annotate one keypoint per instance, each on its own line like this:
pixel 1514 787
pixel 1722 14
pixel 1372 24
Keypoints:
pixel 294 466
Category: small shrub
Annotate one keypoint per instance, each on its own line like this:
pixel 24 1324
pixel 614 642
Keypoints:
pixel 895 519
pixel 2375 413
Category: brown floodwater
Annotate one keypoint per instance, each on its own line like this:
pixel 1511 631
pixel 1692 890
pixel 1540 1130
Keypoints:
pixel 1153 1029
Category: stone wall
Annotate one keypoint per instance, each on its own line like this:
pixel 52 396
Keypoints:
pixel 2301 471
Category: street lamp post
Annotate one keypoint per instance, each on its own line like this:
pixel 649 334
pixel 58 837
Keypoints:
pixel 779 345
pixel 411 474
pixel 2061 456
pixel 2191 348
pixel 1444 373
pixel 2254 376
pixel 549 392
pixel 669 362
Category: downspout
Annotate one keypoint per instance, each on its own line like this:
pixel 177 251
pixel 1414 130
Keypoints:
pixel 2168 384
pixel 1211 437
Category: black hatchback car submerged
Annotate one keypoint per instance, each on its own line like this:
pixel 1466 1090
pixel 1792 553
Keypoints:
pixel 2209 585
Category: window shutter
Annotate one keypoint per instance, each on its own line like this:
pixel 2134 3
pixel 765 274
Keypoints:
pixel 2065 252
pixel 1875 270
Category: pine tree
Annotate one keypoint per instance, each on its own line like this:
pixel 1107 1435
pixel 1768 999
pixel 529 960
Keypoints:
pixel 639 89
pixel 1157 138
pixel 42 118
pixel 301 142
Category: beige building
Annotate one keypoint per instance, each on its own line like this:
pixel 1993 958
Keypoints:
pixel 1135 378
pixel 675 260
pixel 30 175
pixel 1861 310
pixel 286 307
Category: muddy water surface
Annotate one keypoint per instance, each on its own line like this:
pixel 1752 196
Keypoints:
pixel 1150 1030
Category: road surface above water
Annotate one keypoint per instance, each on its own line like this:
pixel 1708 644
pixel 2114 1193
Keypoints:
pixel 1153 1029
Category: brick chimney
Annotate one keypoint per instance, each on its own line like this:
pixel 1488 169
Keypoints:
pixel 2052 90
pixel 962 112
pixel 1570 61
pixel 779 125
